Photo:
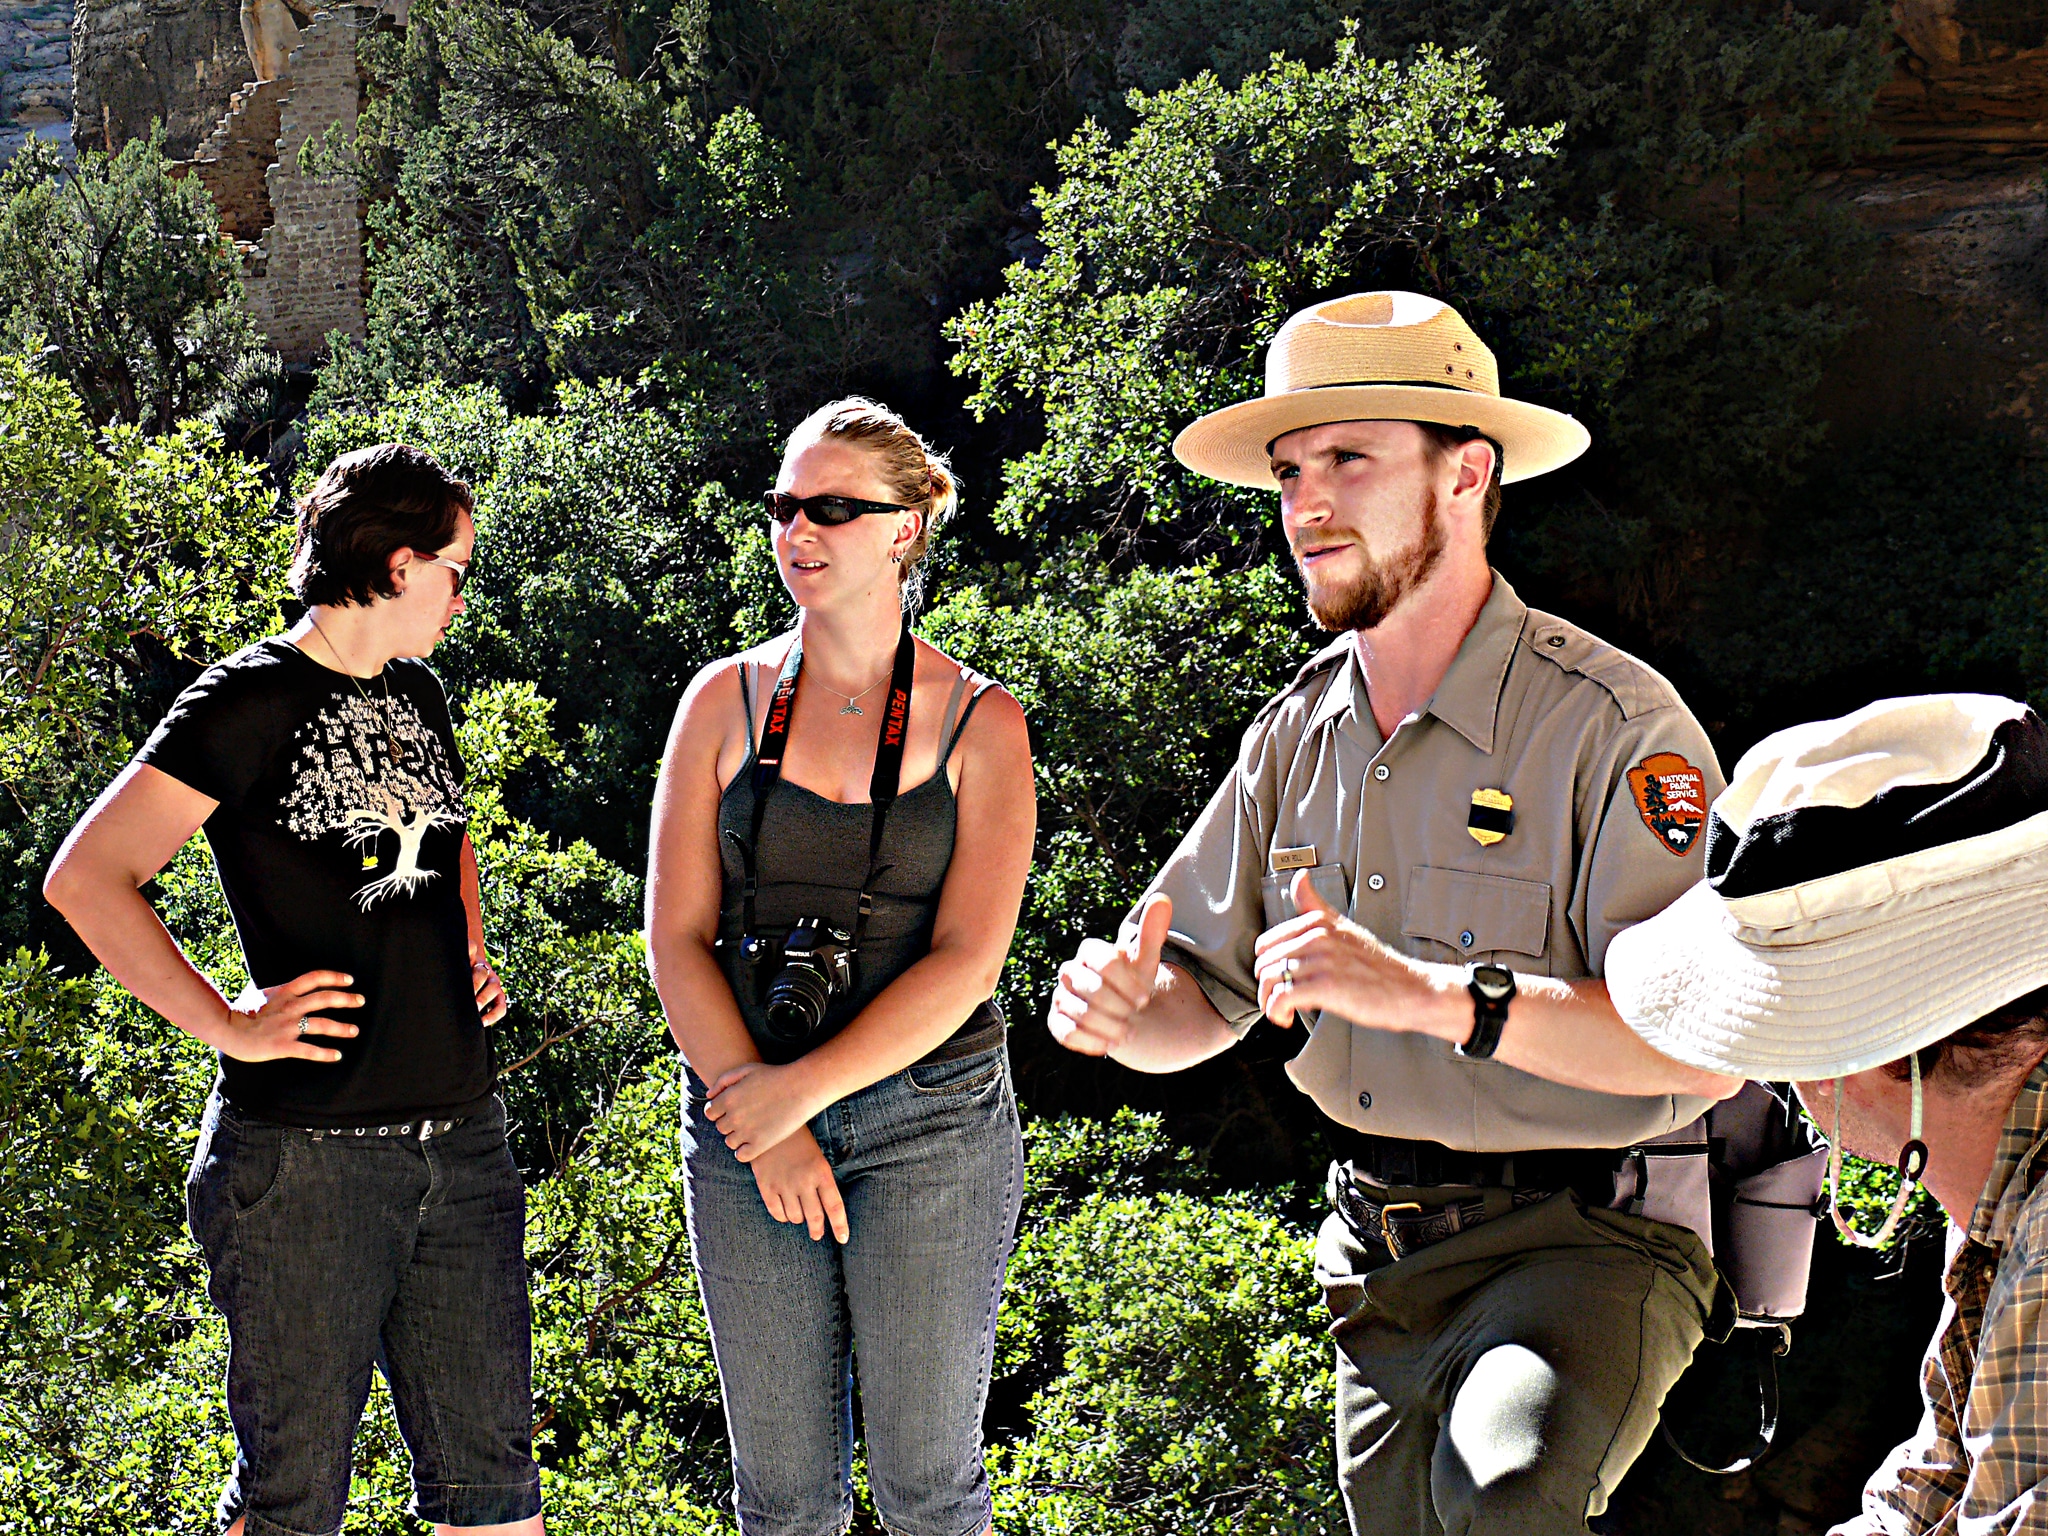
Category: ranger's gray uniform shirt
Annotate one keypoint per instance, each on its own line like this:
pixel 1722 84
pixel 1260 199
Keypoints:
pixel 1610 777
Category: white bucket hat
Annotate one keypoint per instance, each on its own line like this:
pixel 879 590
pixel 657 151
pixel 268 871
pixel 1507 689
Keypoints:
pixel 1377 357
pixel 1874 883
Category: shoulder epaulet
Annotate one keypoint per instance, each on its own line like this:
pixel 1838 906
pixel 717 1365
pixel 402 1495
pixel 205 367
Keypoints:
pixel 1327 659
pixel 1635 687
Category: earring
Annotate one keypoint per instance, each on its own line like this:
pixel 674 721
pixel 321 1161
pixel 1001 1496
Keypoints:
pixel 896 559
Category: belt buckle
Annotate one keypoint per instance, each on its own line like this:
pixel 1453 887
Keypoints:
pixel 1387 1225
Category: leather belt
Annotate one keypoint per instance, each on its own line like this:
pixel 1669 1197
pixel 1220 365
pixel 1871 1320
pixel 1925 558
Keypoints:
pixel 1413 1164
pixel 1478 1186
pixel 1404 1226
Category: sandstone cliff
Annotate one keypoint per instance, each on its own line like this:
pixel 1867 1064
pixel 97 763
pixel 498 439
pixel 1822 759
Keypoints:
pixel 1957 304
pixel 138 61
pixel 35 71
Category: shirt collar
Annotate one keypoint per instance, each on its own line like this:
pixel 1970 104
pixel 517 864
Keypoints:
pixel 1468 699
pixel 2022 1145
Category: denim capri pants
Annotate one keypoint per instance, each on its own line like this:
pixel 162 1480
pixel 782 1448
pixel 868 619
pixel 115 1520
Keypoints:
pixel 930 1163
pixel 333 1251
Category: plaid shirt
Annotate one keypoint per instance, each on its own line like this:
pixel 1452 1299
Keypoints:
pixel 1978 1464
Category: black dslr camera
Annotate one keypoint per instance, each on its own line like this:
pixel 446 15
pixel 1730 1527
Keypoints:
pixel 804 973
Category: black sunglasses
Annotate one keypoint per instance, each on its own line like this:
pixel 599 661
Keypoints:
pixel 826 511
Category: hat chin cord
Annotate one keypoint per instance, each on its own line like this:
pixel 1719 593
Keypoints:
pixel 1912 1163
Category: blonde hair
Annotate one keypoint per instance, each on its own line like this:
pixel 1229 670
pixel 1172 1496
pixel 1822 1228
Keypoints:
pixel 917 474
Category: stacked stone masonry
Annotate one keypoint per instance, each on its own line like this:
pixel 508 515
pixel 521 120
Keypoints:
pixel 234 163
pixel 305 277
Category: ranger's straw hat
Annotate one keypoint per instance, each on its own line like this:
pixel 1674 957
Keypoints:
pixel 1377 357
pixel 1874 883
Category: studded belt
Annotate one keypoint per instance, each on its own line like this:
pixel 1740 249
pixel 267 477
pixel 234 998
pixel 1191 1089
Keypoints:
pixel 423 1130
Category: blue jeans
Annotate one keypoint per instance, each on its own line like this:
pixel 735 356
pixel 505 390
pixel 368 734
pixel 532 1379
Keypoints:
pixel 930 1163
pixel 330 1252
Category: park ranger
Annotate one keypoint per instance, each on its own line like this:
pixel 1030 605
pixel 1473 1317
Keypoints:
pixel 1428 842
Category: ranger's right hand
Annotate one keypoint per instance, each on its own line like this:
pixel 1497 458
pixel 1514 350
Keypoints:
pixel 1106 986
pixel 273 1022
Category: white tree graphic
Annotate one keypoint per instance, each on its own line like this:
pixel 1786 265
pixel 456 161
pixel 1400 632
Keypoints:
pixel 370 766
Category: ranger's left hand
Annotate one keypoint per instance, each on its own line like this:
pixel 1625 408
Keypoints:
pixel 1321 959
pixel 756 1107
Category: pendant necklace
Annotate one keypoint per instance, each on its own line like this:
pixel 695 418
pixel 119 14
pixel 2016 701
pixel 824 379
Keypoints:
pixel 853 708
pixel 381 708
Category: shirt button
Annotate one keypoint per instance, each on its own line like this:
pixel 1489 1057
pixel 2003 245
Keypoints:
pixel 1465 938
pixel 1375 882
pixel 1365 1101
pixel 1555 642
pixel 1380 772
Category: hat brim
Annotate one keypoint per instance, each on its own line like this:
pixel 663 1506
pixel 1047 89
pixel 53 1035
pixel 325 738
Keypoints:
pixel 1694 987
pixel 1230 444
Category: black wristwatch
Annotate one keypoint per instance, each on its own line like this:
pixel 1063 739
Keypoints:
pixel 1492 988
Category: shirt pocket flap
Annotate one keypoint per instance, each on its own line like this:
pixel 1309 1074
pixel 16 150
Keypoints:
pixel 1480 913
pixel 1276 890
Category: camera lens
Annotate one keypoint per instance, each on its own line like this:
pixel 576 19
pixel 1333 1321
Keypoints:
pixel 796 999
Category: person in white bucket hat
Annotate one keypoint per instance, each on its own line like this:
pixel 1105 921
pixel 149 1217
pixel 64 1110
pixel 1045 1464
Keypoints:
pixel 1874 927
pixel 1428 842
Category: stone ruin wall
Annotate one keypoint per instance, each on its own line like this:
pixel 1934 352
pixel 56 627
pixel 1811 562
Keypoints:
pixel 304 276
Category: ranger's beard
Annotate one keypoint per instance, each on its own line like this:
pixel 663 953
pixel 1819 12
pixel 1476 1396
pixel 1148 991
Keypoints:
pixel 1365 600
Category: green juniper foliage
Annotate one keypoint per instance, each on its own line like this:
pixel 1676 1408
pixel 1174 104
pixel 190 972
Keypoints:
pixel 118 269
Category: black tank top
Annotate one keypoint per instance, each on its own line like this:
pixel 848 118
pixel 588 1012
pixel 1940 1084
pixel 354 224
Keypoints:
pixel 811 862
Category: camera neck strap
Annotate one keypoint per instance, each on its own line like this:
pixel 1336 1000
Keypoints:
pixel 882 784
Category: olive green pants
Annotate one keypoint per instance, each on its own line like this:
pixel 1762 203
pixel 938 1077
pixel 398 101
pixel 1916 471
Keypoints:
pixel 1501 1382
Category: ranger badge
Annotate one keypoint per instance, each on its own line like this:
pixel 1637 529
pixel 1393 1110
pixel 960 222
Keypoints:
pixel 1492 817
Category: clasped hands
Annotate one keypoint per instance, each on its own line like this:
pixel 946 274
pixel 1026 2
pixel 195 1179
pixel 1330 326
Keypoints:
pixel 762 1112
pixel 1319 959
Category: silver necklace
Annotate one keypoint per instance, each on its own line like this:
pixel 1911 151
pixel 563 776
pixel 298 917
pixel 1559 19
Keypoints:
pixel 381 708
pixel 851 708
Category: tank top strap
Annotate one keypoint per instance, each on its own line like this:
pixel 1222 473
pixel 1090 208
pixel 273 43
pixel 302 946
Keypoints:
pixel 952 708
pixel 747 699
pixel 981 686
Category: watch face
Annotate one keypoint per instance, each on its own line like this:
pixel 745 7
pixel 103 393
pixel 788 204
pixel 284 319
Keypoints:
pixel 1494 981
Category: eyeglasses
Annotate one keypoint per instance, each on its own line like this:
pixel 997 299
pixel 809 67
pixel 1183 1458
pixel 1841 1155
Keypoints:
pixel 827 511
pixel 459 567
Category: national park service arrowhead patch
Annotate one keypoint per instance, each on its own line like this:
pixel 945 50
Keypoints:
pixel 1671 794
pixel 1492 816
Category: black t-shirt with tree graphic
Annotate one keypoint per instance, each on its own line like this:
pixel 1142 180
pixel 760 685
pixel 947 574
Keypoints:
pixel 338 839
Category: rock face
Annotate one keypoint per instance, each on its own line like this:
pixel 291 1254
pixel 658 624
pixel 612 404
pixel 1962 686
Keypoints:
pixel 35 72
pixel 1957 303
pixel 142 61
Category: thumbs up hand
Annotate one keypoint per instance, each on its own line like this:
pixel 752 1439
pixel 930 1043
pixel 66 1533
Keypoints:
pixel 1106 986
pixel 1321 959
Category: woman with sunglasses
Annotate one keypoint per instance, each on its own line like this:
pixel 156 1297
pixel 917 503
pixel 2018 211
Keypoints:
pixel 841 835
pixel 352 1190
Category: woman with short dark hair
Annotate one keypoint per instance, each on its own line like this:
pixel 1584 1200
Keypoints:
pixel 841 835
pixel 352 1190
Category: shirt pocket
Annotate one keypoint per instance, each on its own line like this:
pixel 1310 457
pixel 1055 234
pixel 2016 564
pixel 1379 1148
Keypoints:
pixel 1327 879
pixel 1477 917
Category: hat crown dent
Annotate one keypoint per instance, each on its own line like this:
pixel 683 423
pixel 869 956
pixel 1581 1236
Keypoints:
pixel 1846 762
pixel 1385 337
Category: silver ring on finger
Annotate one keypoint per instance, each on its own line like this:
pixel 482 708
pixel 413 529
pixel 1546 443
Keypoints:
pixel 1287 968
pixel 302 1024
